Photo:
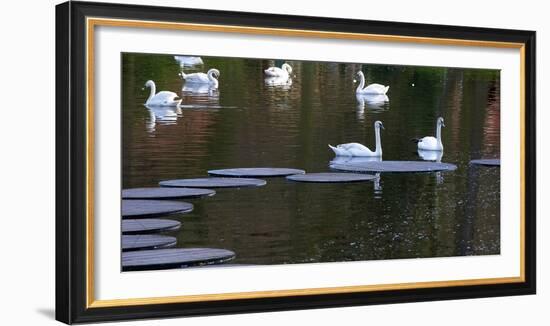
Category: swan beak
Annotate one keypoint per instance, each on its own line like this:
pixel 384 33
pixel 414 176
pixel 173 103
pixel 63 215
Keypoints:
pixel 382 127
pixel 355 80
pixel 143 88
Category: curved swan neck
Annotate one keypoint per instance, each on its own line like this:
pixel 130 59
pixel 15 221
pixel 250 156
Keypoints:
pixel 153 90
pixel 212 79
pixel 361 82
pixel 286 67
pixel 438 133
pixel 378 148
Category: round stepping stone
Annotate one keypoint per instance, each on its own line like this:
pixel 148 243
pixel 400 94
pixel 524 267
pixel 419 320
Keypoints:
pixel 394 166
pixel 143 226
pixel 152 208
pixel 256 172
pixel 165 193
pixel 146 241
pixel 486 162
pixel 173 258
pixel 213 183
pixel 331 177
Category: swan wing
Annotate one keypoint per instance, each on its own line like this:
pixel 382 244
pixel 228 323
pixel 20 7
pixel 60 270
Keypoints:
pixel 198 77
pixel 355 151
pixel 375 89
pixel 165 98
pixel 427 143
pixel 355 146
pixel 275 72
pixel 166 95
pixel 339 151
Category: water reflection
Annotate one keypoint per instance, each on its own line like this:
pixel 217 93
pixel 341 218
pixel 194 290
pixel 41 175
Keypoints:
pixel 162 115
pixel 371 102
pixel 355 159
pixel 200 96
pixel 204 89
pixel 430 155
pixel 283 82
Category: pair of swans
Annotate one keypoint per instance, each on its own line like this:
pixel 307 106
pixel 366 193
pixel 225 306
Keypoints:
pixel 210 78
pixel 425 145
pixel 166 98
pixel 188 61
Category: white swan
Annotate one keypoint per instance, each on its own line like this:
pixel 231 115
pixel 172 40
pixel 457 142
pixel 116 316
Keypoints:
pixel 284 71
pixel 188 61
pixel 356 149
pixel 163 98
pixel 371 89
pixel 211 77
pixel 430 143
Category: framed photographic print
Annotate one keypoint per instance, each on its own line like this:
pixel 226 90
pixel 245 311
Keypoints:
pixel 221 162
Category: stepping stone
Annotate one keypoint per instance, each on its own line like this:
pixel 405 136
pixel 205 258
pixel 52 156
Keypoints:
pixel 394 166
pixel 143 226
pixel 146 241
pixel 173 258
pixel 486 162
pixel 214 183
pixel 152 208
pixel 165 193
pixel 331 177
pixel 256 172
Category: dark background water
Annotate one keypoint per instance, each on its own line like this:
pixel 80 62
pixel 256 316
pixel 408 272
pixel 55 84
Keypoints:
pixel 250 124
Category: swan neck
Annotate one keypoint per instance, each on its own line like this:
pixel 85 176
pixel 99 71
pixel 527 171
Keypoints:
pixel 361 83
pixel 378 148
pixel 212 79
pixel 153 91
pixel 438 133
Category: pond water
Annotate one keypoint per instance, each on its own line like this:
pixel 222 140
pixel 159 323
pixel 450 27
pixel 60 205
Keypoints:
pixel 250 123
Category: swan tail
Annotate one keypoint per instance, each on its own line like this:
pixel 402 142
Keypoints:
pixel 183 75
pixel 334 149
pixel 386 89
pixel 339 151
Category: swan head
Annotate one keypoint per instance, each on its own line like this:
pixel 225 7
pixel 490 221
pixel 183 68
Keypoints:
pixel 360 75
pixel 440 122
pixel 287 67
pixel 214 72
pixel 378 125
pixel 150 83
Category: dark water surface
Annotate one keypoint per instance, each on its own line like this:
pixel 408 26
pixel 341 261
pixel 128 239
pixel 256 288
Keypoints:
pixel 247 123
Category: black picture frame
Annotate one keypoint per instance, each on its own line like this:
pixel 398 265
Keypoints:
pixel 71 157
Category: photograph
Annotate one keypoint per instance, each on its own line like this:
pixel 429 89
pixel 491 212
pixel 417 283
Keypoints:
pixel 245 162
pixel 220 162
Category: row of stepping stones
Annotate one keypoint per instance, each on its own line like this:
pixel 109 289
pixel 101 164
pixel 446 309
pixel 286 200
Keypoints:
pixel 142 248
pixel 141 206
